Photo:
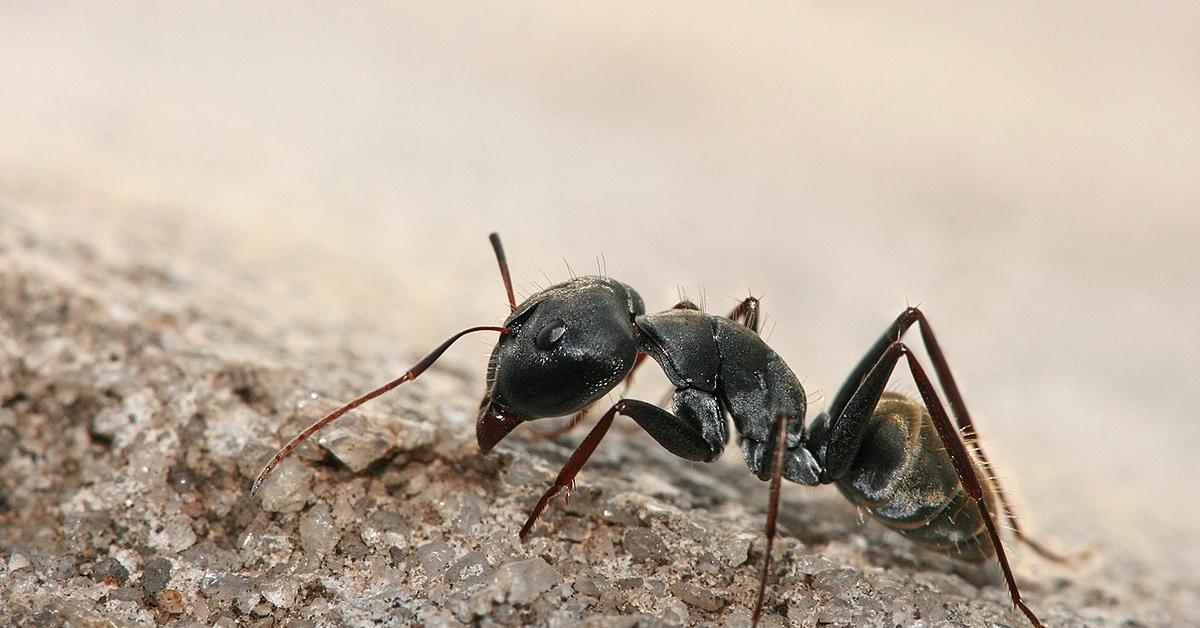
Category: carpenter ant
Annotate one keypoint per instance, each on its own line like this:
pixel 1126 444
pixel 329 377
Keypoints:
pixel 906 462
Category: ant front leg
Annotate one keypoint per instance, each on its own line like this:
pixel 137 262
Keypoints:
pixel 697 431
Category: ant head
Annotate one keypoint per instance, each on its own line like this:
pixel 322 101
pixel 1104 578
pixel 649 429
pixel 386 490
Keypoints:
pixel 567 346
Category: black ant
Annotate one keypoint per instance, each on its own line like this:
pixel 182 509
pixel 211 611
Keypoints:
pixel 906 463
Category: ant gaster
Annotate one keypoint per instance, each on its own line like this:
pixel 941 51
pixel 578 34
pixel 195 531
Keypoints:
pixel 905 462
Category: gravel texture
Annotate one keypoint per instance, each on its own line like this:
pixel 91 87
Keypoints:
pixel 134 414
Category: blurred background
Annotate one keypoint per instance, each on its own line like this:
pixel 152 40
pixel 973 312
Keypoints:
pixel 1026 173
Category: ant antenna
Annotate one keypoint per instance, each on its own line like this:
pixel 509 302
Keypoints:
pixel 503 261
pixel 412 374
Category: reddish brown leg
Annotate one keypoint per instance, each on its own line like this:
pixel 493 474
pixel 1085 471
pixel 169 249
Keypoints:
pixel 683 436
pixel 772 512
pixel 967 428
pixel 566 477
pixel 412 374
pixel 966 472
pixel 953 396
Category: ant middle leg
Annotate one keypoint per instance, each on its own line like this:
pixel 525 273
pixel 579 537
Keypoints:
pixel 779 446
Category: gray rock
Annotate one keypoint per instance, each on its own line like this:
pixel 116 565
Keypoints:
pixel 471 569
pixel 318 535
pixel 644 545
pixel 434 557
pixel 109 567
pixel 281 592
pixel 698 596
pixel 288 489
pixel 155 576
pixel 525 580
pixel 586 586
pixel 357 442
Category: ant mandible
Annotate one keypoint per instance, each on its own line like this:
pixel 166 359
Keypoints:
pixel 905 462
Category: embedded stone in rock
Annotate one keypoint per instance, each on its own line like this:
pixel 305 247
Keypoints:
pixel 385 529
pixel 281 592
pixel 317 532
pixel 471 569
pixel 586 586
pixel 156 575
pixel 525 580
pixel 110 567
pixel 176 536
pixel 18 562
pixel 225 586
pixel 434 557
pixel 357 449
pixel 288 489
pixel 735 551
pixel 697 596
pixel 360 441
pixel 644 545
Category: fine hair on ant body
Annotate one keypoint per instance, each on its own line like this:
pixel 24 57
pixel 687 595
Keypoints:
pixel 904 461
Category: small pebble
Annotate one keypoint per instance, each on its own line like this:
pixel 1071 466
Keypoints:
pixel 629 583
pixel 385 529
pixel 697 596
pixel 224 586
pixel 156 575
pixel 644 545
pixel 586 586
pixel 471 569
pixel 471 513
pixel 317 532
pixel 810 564
pixel 281 592
pixel 17 562
pixel 177 535
pixel 110 567
pixel 736 551
pixel 525 580
pixel 434 557
pixel 288 489
pixel 837 581
pixel 358 443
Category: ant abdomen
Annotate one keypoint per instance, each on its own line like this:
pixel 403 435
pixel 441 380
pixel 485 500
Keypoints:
pixel 903 476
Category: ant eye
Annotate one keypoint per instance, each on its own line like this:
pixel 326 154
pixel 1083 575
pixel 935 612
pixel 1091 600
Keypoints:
pixel 551 334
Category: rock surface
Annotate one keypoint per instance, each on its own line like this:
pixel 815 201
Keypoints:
pixel 134 415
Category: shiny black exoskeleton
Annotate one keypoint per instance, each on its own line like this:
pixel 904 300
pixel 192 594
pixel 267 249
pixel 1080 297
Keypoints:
pixel 906 462
pixel 572 343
